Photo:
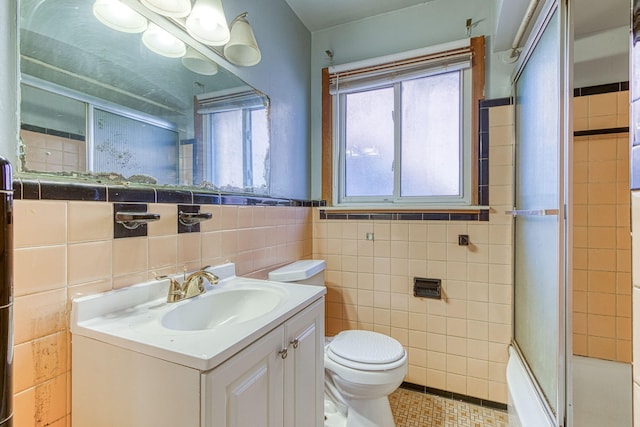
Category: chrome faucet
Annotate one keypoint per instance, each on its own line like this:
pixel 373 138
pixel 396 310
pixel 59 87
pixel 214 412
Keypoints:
pixel 191 286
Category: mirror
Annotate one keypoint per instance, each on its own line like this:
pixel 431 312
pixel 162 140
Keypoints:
pixel 97 103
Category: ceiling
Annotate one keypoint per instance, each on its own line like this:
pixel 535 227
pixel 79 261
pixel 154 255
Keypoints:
pixel 590 16
pixel 318 15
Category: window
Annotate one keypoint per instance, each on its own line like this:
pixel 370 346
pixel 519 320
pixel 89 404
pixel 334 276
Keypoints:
pixel 401 131
pixel 237 141
pixel 240 148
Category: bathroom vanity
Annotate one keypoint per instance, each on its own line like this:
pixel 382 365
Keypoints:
pixel 254 359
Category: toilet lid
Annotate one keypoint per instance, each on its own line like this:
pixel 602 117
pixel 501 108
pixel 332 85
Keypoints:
pixel 365 348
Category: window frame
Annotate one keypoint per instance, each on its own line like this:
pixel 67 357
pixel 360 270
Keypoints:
pixel 247 146
pixel 463 197
pixel 330 179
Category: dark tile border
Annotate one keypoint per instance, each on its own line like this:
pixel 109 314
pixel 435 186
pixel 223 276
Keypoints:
pixel 406 216
pixel 497 102
pixel 600 89
pixel 454 396
pixel 53 132
pixel 41 189
pixel 73 191
pixel 607 131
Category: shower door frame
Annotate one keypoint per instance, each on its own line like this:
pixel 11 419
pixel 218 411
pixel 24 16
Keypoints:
pixel 563 414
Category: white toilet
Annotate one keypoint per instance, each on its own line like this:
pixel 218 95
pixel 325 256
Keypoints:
pixel 361 367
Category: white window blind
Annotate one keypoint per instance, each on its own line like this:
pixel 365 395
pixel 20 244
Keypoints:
pixel 395 68
pixel 229 100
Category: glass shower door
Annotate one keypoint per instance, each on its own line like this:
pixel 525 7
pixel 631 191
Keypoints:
pixel 539 243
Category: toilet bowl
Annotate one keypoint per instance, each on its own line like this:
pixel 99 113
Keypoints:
pixel 361 367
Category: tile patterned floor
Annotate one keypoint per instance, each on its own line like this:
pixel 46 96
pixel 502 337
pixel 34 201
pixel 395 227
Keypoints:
pixel 414 409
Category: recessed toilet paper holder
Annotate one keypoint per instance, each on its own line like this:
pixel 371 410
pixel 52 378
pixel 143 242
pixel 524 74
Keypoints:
pixel 427 288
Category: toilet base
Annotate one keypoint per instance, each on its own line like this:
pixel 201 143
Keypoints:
pixel 360 413
pixel 332 416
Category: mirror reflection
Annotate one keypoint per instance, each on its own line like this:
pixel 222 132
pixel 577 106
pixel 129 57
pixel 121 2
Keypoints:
pixel 98 103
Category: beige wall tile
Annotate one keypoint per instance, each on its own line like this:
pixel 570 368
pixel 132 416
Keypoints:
pixel 39 269
pixel 24 407
pixel 501 116
pixel 38 315
pixel 39 223
pixel 168 222
pixel 90 288
pixel 603 104
pixel 163 252
pixel 189 251
pixel 39 361
pixel 89 262
pixel 88 221
pixel 49 272
pixel 130 255
pixel 580 107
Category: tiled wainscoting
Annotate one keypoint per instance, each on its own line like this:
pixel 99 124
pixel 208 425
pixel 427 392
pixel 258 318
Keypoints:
pixel 64 249
pixel 458 343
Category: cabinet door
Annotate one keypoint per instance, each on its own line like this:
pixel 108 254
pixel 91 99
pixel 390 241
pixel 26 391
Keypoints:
pixel 247 390
pixel 304 368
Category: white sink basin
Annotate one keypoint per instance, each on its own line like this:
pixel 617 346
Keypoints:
pixel 214 310
pixel 200 332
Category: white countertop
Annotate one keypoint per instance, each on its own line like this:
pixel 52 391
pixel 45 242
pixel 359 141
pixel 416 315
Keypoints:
pixel 131 318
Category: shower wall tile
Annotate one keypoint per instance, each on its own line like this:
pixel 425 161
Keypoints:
pixel 601 249
pixel 65 249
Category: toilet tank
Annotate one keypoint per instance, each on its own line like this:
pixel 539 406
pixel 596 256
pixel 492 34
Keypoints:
pixel 307 271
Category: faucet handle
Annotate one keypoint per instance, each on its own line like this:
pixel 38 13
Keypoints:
pixel 175 292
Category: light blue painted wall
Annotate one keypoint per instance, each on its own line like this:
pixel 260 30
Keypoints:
pixel 431 23
pixel 285 75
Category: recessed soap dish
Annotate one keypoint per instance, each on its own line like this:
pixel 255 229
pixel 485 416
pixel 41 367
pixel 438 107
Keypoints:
pixel 131 219
pixel 190 217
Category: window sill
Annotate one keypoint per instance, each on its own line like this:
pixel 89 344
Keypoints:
pixel 404 208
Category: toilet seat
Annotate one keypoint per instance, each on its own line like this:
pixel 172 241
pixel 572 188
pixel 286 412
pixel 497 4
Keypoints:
pixel 366 350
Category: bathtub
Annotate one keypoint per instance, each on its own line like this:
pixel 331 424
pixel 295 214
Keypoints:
pixel 602 392
pixel 525 407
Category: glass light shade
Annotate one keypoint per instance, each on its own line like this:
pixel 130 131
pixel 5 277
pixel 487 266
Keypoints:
pixel 173 8
pixel 119 16
pixel 242 48
pixel 198 63
pixel 163 43
pixel 207 23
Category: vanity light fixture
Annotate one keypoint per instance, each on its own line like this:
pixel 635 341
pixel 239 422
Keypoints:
pixel 242 48
pixel 172 8
pixel 118 16
pixel 198 63
pixel 163 43
pixel 207 23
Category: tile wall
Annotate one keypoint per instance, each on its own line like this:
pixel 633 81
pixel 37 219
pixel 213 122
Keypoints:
pixel 459 343
pixel 64 249
pixel 602 229
pixel 53 152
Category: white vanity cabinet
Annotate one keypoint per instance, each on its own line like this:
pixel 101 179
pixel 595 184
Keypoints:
pixel 117 386
pixel 276 381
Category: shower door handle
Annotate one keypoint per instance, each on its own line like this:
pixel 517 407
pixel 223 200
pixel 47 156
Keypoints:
pixel 533 212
